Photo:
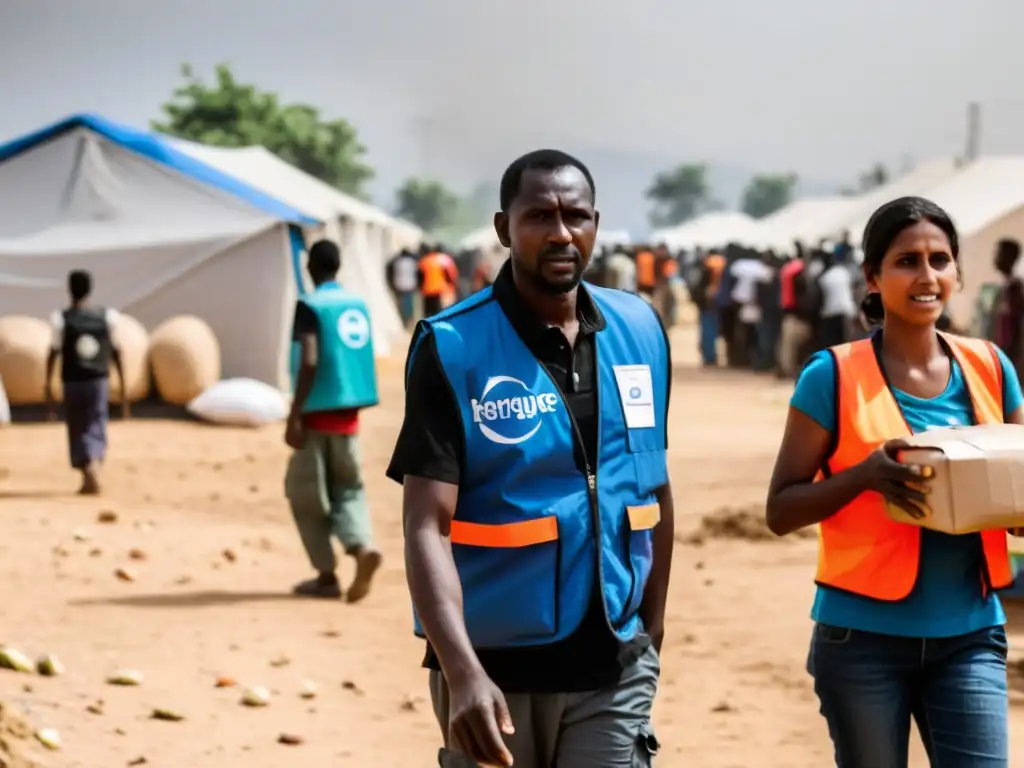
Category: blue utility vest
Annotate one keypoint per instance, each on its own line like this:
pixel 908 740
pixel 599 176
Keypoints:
pixel 346 376
pixel 531 530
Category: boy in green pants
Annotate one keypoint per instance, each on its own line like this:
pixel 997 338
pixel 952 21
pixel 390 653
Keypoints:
pixel 334 377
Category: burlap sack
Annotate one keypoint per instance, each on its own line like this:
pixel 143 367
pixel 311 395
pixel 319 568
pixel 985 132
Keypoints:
pixel 133 340
pixel 24 345
pixel 185 357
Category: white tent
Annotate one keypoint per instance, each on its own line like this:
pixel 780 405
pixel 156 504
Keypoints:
pixel 162 234
pixel 711 230
pixel 985 199
pixel 916 182
pixel 368 236
pixel 808 221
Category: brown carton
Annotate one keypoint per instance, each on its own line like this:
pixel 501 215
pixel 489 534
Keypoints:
pixel 978 483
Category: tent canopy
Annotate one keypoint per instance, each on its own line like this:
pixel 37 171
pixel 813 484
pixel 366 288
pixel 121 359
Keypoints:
pixel 982 192
pixel 162 236
pixel 156 148
pixel 808 221
pixel 710 230
pixel 258 165
pixel 918 181
pixel 367 235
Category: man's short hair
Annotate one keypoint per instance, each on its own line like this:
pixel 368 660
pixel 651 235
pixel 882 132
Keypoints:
pixel 540 159
pixel 324 257
pixel 1010 247
pixel 79 284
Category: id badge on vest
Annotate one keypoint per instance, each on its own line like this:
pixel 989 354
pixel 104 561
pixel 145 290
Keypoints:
pixel 636 391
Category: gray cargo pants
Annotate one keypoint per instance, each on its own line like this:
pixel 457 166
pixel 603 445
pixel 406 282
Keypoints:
pixel 324 486
pixel 609 728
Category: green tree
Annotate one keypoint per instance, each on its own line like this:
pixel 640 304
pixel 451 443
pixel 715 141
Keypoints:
pixel 428 203
pixel 233 114
pixel 680 194
pixel 766 194
pixel 876 176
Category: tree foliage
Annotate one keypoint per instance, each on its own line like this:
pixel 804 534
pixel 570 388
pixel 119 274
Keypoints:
pixel 680 194
pixel 233 114
pixel 428 203
pixel 768 193
pixel 875 176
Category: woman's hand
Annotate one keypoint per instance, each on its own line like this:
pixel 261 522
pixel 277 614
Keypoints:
pixel 905 485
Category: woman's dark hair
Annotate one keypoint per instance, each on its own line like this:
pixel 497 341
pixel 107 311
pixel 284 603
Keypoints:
pixel 885 225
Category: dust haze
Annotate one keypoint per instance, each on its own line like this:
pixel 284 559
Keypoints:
pixel 455 88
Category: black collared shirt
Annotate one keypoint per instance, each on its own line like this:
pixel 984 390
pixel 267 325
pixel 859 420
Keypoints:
pixel 431 444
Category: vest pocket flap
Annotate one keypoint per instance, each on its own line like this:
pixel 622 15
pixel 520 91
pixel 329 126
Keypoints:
pixel 642 439
pixel 525 533
pixel 643 518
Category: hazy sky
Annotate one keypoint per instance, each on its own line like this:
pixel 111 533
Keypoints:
pixel 458 87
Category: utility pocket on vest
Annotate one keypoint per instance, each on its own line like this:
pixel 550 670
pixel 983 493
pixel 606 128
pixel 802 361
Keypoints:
pixel 647 445
pixel 642 439
pixel 509 574
pixel 642 520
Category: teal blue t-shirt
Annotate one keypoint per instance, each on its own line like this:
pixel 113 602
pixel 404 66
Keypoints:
pixel 947 599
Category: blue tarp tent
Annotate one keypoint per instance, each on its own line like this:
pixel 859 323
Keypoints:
pixel 163 233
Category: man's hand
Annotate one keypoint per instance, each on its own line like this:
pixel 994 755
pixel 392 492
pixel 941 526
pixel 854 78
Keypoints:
pixel 294 433
pixel 478 715
pixel 657 635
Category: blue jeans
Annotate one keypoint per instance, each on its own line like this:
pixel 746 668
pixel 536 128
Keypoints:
pixel 870 686
pixel 768 340
pixel 709 336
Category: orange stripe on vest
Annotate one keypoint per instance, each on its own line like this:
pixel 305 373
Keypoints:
pixel 524 533
pixel 862 550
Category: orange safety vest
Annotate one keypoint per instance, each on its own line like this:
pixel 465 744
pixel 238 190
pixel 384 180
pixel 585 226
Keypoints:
pixel 434 267
pixel 715 265
pixel 861 549
pixel 645 269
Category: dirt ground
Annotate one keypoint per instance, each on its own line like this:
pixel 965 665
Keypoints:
pixel 203 527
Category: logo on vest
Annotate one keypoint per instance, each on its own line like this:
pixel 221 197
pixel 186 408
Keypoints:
pixel 86 347
pixel 508 413
pixel 354 329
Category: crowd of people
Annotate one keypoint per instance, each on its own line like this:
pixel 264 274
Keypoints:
pixel 425 281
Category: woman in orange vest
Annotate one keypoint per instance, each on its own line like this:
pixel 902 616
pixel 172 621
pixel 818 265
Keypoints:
pixel 907 622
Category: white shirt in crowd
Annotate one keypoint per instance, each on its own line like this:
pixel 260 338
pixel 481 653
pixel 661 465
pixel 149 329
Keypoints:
pixel 836 284
pixel 748 273
pixel 623 270
pixel 57 324
pixel 405 274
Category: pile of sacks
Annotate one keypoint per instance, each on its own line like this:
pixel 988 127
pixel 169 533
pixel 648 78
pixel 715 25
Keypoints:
pixel 181 358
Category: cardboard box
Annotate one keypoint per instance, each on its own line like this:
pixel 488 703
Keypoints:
pixel 979 478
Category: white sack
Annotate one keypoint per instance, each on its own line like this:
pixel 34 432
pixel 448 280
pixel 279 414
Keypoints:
pixel 239 403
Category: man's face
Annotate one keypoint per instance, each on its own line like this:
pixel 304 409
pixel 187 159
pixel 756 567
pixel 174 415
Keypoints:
pixel 550 228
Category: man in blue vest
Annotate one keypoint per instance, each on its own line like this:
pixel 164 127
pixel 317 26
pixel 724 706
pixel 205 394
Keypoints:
pixel 334 377
pixel 537 507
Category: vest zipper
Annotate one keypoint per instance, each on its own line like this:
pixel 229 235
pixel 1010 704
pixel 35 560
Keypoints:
pixel 589 472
